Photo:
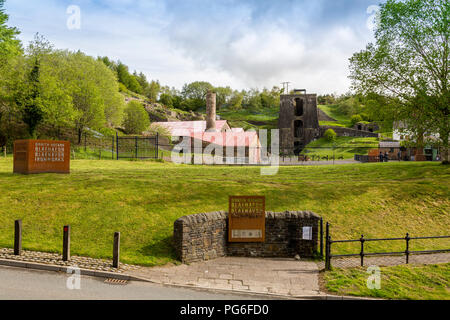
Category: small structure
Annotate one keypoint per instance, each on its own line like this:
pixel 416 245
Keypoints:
pixel 365 126
pixel 216 135
pixel 41 156
pixel 205 236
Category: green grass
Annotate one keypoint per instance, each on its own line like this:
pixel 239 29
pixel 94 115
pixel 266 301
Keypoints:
pixel 345 147
pixel 431 282
pixel 143 199
pixel 333 111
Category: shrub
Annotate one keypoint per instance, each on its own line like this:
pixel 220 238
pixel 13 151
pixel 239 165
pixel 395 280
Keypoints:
pixel 330 135
pixel 136 118
pixel 355 119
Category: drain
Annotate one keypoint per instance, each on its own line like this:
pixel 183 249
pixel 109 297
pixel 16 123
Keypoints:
pixel 116 282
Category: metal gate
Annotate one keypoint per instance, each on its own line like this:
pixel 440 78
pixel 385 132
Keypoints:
pixel 137 147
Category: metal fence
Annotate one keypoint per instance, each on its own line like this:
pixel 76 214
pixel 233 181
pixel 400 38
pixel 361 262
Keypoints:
pixel 362 254
pixel 137 147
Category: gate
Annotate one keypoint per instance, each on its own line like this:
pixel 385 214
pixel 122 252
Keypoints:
pixel 137 147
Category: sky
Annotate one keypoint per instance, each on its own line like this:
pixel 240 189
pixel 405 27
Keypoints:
pixel 238 43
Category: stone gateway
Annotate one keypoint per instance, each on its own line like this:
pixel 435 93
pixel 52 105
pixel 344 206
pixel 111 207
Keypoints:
pixel 41 156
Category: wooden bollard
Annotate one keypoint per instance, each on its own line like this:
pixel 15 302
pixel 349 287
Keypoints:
pixel 18 237
pixel 116 250
pixel 66 243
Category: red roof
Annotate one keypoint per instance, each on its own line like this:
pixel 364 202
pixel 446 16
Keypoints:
pixel 178 129
pixel 236 139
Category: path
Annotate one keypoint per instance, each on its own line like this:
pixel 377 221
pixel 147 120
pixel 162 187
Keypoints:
pixel 286 277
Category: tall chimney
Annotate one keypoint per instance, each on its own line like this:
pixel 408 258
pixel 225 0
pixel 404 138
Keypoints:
pixel 211 112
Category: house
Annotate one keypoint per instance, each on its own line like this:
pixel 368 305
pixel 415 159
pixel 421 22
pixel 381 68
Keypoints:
pixel 214 137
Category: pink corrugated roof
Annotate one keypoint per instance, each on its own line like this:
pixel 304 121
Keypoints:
pixel 236 139
pixel 180 128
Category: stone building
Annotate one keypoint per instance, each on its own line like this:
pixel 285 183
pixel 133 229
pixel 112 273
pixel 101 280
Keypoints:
pixel 298 122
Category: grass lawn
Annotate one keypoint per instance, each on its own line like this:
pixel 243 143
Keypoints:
pixel 143 199
pixel 345 147
pixel 431 282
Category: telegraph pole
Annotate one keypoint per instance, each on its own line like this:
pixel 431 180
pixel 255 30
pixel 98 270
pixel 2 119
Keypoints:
pixel 286 87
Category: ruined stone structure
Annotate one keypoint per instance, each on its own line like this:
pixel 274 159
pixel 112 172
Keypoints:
pixel 298 122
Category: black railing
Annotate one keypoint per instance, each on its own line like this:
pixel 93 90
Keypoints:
pixel 362 254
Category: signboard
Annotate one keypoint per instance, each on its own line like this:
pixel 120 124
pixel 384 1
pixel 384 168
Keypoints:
pixel 41 156
pixel 307 233
pixel 247 219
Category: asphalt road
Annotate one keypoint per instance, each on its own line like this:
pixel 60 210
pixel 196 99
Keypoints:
pixel 21 284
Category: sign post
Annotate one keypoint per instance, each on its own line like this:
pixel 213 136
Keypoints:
pixel 247 219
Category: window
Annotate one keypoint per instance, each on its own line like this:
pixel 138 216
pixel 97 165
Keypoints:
pixel 299 107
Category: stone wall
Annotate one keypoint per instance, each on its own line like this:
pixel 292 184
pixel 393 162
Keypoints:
pixel 348 132
pixel 205 236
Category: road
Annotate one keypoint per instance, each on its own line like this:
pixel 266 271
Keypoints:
pixel 21 284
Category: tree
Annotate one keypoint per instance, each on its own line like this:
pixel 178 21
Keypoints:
pixel 136 118
pixel 407 68
pixel 9 45
pixel 355 119
pixel 196 90
pixel 330 135
pixel 94 90
pixel 223 96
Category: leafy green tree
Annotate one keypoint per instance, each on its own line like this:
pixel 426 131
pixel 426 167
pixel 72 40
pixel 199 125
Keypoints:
pixel 223 95
pixel 196 90
pixel 136 118
pixel 236 100
pixel 330 135
pixel 9 45
pixel 355 119
pixel 166 99
pixel 406 70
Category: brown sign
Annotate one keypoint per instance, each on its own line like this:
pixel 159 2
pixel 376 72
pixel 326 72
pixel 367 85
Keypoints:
pixel 247 219
pixel 41 156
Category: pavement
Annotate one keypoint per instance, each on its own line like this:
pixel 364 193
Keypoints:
pixel 276 277
pixel 25 284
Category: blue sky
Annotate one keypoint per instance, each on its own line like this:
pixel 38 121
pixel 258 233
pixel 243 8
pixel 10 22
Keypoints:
pixel 239 43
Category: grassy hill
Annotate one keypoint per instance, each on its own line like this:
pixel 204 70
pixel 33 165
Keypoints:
pixel 333 111
pixel 143 199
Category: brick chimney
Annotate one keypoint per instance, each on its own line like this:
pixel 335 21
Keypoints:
pixel 211 112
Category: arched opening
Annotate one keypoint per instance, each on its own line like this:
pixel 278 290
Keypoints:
pixel 298 128
pixel 299 107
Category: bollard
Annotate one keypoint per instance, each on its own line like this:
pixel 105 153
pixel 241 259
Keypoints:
pixel 18 238
pixel 66 243
pixel 116 250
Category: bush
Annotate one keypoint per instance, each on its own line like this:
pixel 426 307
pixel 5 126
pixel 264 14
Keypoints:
pixel 355 119
pixel 136 118
pixel 330 135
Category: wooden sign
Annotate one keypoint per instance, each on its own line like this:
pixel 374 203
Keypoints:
pixel 41 156
pixel 247 219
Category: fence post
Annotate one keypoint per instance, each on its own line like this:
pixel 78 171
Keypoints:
pixel 4 151
pixel 18 237
pixel 136 146
pixel 116 250
pixel 66 243
pixel 85 141
pixel 362 250
pixel 112 148
pixel 321 237
pixel 407 238
pixel 157 145
pixel 328 248
pixel 117 145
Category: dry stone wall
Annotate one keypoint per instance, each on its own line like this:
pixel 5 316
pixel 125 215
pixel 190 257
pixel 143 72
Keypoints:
pixel 205 236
